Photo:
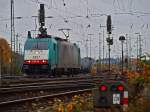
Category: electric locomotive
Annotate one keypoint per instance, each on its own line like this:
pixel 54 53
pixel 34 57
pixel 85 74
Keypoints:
pixel 50 55
pixel 47 54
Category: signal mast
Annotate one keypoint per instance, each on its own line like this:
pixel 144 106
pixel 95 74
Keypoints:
pixel 109 39
pixel 41 18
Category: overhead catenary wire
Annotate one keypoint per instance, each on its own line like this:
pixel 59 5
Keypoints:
pixel 61 10
pixel 78 21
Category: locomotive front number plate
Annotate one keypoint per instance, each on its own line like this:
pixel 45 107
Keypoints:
pixel 116 98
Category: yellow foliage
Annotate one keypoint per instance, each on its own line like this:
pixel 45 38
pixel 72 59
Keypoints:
pixel 70 107
pixel 143 75
pixel 5 51
pixel 61 108
pixel 93 70
pixel 96 67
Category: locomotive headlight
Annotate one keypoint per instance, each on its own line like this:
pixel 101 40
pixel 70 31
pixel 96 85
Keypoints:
pixel 36 52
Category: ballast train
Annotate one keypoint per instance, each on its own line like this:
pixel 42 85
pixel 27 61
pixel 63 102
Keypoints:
pixel 50 55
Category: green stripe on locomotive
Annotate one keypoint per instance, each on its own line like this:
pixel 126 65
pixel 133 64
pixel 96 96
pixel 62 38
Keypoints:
pixel 44 44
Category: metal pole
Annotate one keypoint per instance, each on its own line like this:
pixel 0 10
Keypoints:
pixel 137 51
pixel 127 51
pixel 11 37
pixel 19 49
pixel 100 50
pixel 140 50
pixel 103 46
pixel 13 26
pixel 90 46
pixel 122 39
pixel 109 51
pixel 140 47
pixel 0 66
pixel 17 43
pixel 122 57
pixel 109 56
pixel 35 26
pixel 90 43
pixel 86 47
pixel 103 43
pixel 129 64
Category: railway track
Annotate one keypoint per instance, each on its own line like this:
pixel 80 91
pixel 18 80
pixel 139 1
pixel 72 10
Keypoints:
pixel 17 93
pixel 22 93
pixel 23 90
pixel 23 105
pixel 16 80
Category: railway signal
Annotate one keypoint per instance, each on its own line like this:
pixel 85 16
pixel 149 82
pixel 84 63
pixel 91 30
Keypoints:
pixel 122 39
pixel 111 92
pixel 109 39
pixel 109 29
pixel 42 15
pixel 42 19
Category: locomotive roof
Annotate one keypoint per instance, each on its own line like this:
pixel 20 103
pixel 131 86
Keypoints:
pixel 44 36
pixel 60 39
pixel 50 36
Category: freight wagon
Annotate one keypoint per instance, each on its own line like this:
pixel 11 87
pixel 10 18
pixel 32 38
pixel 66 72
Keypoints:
pixel 86 64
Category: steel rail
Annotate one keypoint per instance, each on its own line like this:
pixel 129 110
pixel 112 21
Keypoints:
pixel 32 81
pixel 10 93
pixel 44 87
pixel 49 82
pixel 44 96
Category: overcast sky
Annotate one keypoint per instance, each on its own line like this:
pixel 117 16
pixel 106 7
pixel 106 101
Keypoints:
pixel 83 17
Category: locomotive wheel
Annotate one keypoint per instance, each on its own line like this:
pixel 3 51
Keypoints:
pixel 50 74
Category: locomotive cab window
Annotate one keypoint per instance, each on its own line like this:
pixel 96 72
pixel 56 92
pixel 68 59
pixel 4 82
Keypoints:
pixel 42 45
pixel 36 45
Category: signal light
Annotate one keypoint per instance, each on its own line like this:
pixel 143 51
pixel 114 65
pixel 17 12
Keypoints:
pixel 113 88
pixel 36 62
pixel 103 88
pixel 103 100
pixel 120 87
